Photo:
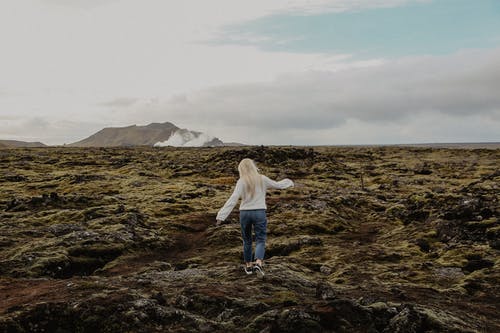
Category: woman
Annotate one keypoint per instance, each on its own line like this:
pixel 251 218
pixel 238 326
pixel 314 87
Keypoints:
pixel 251 188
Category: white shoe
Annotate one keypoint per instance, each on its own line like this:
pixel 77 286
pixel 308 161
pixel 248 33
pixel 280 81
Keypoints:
pixel 258 269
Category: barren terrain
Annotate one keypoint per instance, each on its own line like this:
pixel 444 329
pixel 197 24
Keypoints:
pixel 370 239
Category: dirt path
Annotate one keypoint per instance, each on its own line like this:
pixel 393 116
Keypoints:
pixel 17 293
pixel 188 240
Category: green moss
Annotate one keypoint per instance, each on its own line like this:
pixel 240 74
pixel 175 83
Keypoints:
pixel 53 265
pixel 396 210
pixel 282 297
pixel 418 199
pixel 487 223
pixel 458 257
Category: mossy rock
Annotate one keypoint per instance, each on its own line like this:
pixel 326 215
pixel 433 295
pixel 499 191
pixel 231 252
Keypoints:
pixel 493 233
pixel 397 210
pixel 97 251
pixel 283 297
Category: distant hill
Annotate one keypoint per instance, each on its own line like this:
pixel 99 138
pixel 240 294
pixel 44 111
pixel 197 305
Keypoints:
pixel 458 145
pixel 154 134
pixel 19 144
pixel 234 144
pixel 451 145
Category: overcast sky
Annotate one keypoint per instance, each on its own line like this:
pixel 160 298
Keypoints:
pixel 257 72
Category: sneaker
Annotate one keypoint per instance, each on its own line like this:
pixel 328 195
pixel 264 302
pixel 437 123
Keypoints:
pixel 248 270
pixel 258 269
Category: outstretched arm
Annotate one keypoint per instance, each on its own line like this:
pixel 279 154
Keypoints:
pixel 282 184
pixel 230 203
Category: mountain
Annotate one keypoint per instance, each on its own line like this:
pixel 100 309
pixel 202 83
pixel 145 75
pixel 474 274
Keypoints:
pixel 154 134
pixel 19 144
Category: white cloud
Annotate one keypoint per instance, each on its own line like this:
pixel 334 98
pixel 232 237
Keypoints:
pixel 403 93
pixel 128 48
pixel 52 132
pixel 119 62
pixel 120 102
pixel 421 99
pixel 83 4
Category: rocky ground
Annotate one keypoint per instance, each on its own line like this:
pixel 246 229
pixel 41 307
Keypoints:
pixel 370 240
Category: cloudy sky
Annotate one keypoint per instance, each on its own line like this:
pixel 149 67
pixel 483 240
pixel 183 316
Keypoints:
pixel 258 72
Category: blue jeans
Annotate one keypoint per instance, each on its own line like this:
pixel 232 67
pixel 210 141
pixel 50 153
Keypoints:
pixel 257 219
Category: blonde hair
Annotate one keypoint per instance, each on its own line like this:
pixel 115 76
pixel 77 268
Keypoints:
pixel 250 176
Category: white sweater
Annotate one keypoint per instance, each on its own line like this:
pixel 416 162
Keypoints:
pixel 258 201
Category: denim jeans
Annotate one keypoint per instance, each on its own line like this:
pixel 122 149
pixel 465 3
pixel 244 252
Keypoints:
pixel 257 219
